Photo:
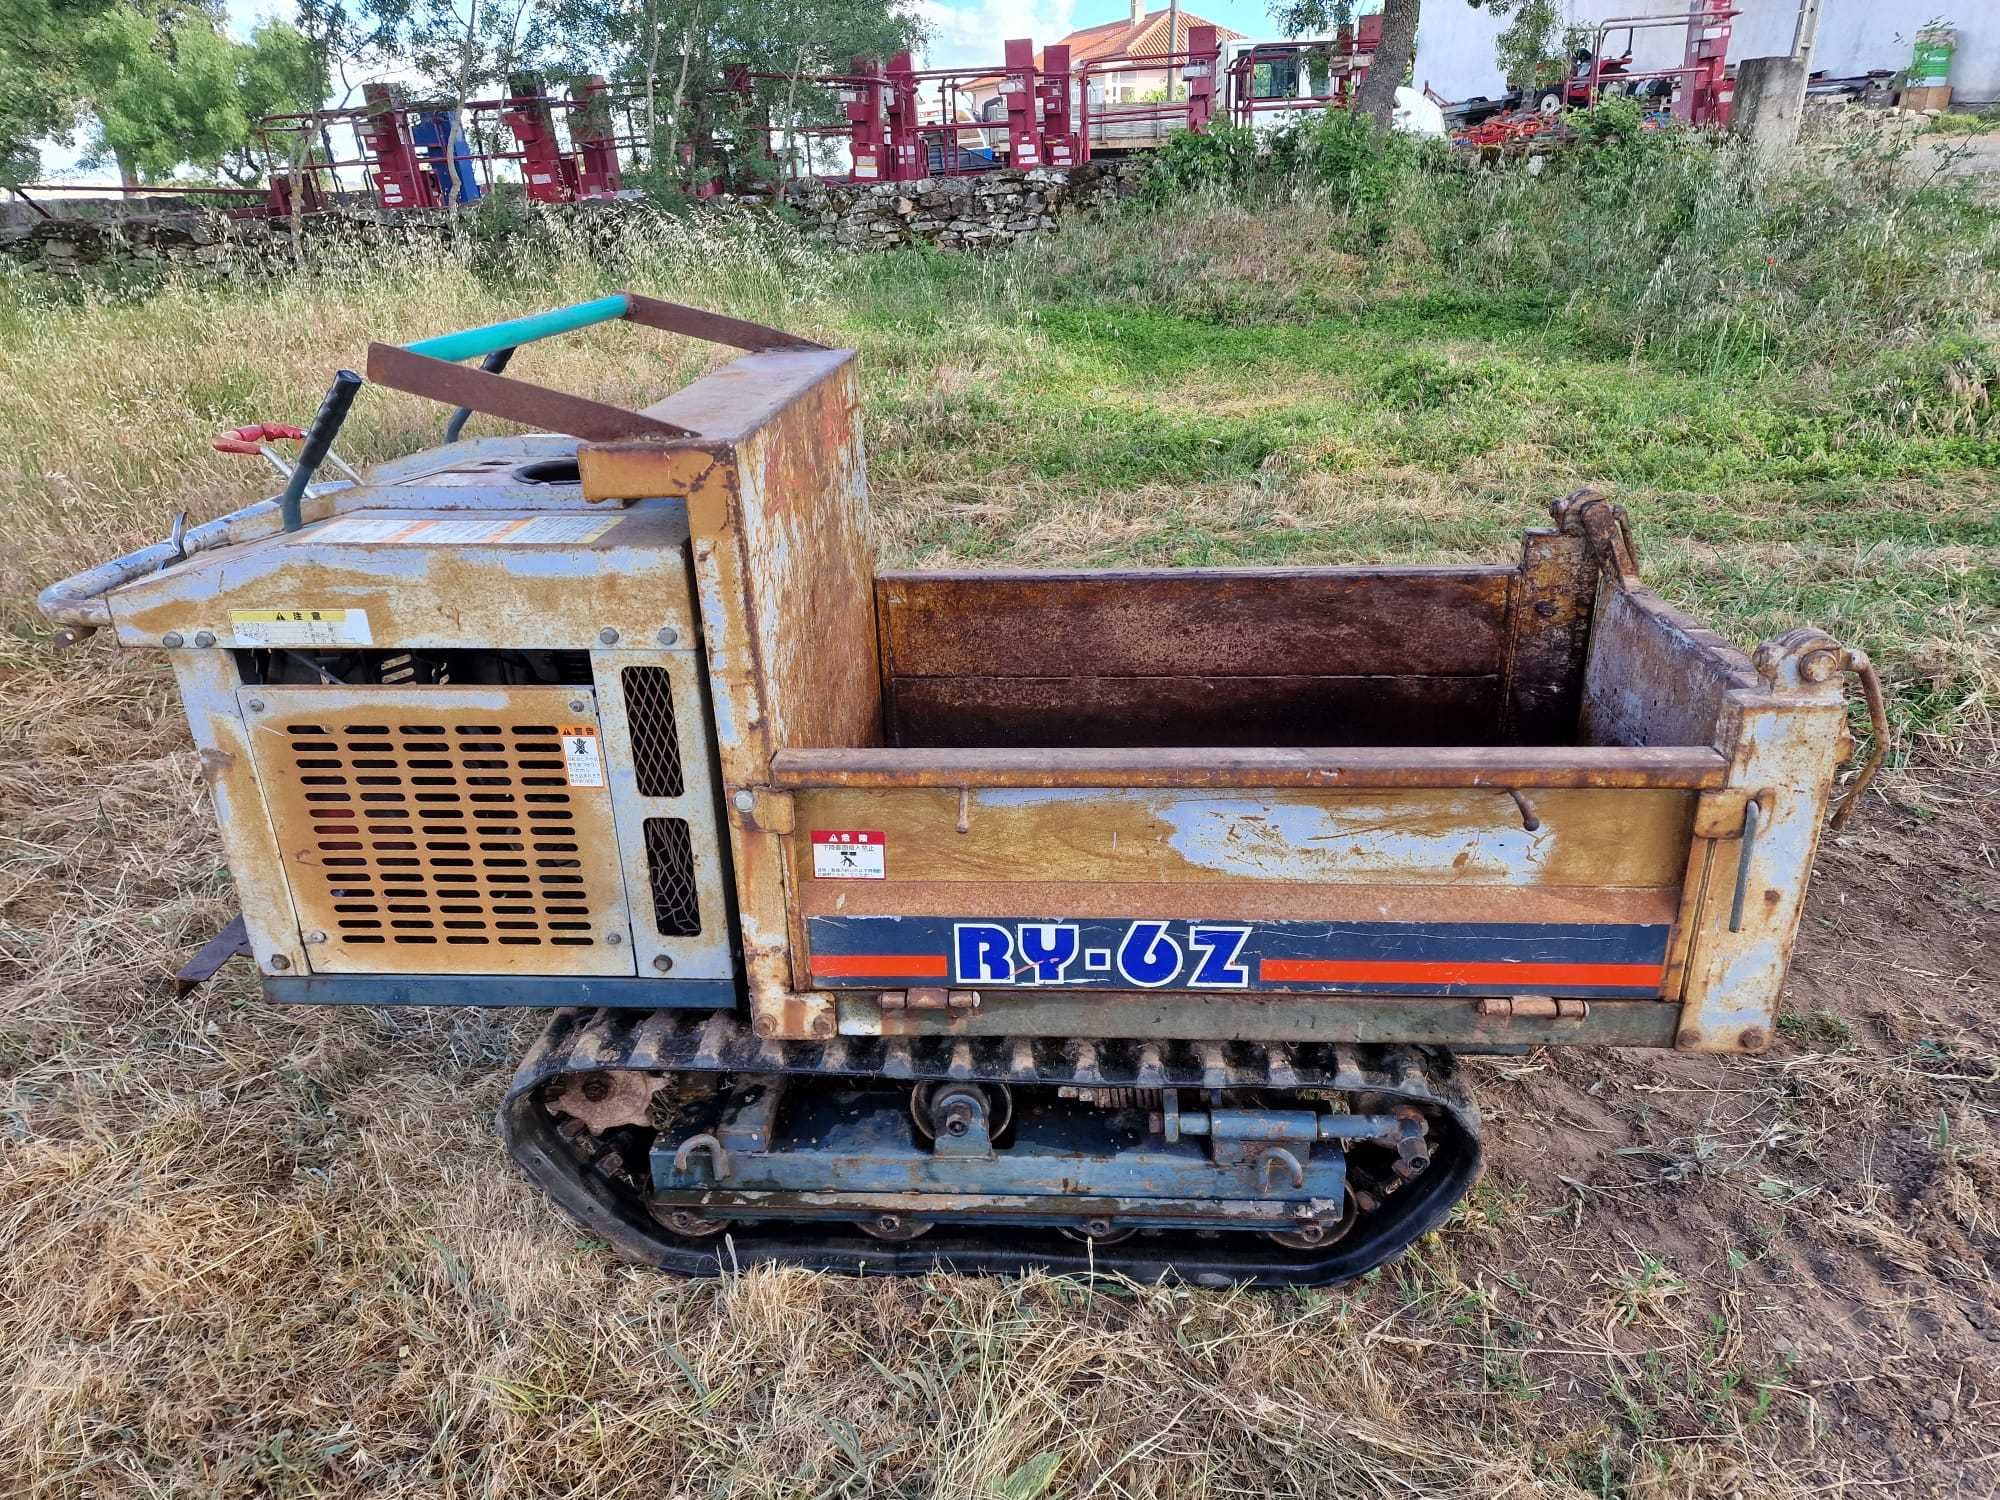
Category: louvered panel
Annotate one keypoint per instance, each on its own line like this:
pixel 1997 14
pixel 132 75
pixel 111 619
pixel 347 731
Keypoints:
pixel 444 830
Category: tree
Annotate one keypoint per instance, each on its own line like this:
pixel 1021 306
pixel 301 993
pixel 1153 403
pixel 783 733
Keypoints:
pixel 674 53
pixel 1531 41
pixel 1376 98
pixel 150 84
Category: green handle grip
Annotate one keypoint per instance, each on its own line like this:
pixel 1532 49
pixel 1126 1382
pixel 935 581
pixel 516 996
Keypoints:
pixel 474 342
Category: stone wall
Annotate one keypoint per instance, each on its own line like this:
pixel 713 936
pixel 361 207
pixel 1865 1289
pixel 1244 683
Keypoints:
pixel 990 209
pixel 993 209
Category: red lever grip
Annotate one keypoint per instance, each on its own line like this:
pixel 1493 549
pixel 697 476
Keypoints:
pixel 267 431
pixel 235 445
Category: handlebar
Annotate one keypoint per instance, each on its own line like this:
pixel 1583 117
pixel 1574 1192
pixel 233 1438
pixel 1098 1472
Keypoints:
pixel 470 343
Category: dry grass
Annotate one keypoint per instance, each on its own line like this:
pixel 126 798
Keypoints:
pixel 253 1251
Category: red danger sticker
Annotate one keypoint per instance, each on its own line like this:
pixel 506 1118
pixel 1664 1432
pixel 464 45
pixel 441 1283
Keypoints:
pixel 849 854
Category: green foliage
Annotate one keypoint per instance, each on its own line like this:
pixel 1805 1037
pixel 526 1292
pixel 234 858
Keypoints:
pixel 1222 156
pixel 670 52
pixel 154 86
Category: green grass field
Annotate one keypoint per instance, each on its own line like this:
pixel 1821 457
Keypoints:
pixel 262 1252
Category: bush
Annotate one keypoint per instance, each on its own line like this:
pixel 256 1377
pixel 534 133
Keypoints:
pixel 1223 156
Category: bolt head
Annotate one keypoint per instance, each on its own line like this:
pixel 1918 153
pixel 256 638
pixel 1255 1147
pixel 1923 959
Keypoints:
pixel 171 640
pixel 662 962
pixel 576 705
pixel 1752 1039
pixel 315 937
pixel 255 705
pixel 1818 666
pixel 744 801
pixel 279 961
pixel 204 637
pixel 765 1027
pixel 608 636
pixel 613 939
pixel 669 635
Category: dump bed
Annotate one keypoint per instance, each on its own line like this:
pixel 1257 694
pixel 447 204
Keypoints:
pixel 1478 806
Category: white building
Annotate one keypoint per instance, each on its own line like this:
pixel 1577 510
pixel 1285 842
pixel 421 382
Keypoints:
pixel 1455 42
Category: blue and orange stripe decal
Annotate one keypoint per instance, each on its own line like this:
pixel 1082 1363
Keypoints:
pixel 1582 959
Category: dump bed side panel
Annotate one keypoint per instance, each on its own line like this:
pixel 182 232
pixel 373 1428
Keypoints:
pixel 1434 891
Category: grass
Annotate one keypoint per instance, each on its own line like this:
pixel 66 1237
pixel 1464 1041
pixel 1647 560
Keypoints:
pixel 254 1251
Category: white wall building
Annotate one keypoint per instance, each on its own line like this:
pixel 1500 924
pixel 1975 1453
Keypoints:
pixel 1455 42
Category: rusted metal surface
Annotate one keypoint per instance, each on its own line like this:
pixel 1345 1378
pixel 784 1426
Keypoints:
pixel 699 323
pixel 231 942
pixel 512 400
pixel 607 1100
pixel 782 563
pixel 1196 622
pixel 1450 838
pixel 1549 608
pixel 1788 735
pixel 451 595
pixel 1215 1019
pixel 437 830
pixel 1189 711
pixel 208 686
pixel 1363 767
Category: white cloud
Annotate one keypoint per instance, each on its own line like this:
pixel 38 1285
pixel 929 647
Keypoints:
pixel 976 31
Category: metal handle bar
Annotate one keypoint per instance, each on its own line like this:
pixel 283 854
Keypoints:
pixel 319 440
pixel 1878 729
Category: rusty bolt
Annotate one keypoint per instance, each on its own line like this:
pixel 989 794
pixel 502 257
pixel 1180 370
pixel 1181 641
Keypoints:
pixel 255 705
pixel 669 635
pixel 822 1026
pixel 1688 1038
pixel 204 637
pixel 596 1087
pixel 171 639
pixel 765 1026
pixel 279 961
pixel 577 705
pixel 1546 609
pixel 662 962
pixel 608 636
pixel 1752 1039
pixel 1818 666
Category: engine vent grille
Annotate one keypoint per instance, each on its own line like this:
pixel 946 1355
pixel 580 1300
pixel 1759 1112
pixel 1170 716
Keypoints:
pixel 670 865
pixel 442 841
pixel 656 743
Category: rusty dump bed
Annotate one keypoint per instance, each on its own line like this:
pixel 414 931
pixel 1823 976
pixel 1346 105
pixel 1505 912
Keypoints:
pixel 1017 904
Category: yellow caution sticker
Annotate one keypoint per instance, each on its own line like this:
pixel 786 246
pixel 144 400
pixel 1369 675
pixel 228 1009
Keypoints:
pixel 300 627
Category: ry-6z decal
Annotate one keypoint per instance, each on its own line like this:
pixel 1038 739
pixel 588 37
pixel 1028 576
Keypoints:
pixel 1609 960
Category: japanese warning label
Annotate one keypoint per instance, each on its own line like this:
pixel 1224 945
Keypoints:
pixel 580 758
pixel 848 854
pixel 300 627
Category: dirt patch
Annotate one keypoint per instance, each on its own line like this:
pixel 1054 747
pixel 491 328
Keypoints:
pixel 1832 1208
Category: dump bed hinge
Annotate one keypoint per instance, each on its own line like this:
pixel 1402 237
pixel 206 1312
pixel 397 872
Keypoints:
pixel 1534 1007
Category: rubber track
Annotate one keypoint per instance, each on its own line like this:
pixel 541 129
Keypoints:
pixel 578 1041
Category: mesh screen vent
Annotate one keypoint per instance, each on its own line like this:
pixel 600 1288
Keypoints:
pixel 656 744
pixel 670 866
pixel 442 834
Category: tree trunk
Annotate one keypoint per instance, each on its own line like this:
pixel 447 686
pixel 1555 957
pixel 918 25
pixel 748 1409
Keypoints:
pixel 1376 98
